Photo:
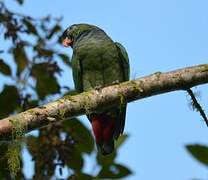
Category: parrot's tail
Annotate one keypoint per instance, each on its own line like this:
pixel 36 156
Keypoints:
pixel 103 128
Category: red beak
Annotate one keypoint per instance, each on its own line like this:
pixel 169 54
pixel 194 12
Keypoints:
pixel 67 42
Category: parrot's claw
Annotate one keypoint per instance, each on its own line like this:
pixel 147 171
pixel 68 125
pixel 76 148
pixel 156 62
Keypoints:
pixel 115 82
pixel 98 87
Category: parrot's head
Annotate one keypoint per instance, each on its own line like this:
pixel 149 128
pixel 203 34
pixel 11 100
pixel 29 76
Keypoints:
pixel 72 33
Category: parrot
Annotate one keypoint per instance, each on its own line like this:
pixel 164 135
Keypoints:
pixel 97 61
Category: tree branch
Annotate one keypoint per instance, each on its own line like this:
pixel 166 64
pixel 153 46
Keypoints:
pixel 95 100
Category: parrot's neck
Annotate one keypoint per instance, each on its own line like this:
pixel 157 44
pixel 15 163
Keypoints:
pixel 94 33
pixel 81 36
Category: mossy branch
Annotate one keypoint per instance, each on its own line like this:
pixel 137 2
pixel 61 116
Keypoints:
pixel 107 97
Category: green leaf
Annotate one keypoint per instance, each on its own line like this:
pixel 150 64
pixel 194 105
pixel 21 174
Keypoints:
pixel 80 176
pixel 44 52
pixel 32 104
pixel 4 68
pixel 199 152
pixel 106 161
pixel 55 29
pixel 3 18
pixel 65 59
pixel 76 161
pixel 20 57
pixel 121 140
pixel 39 70
pixel 9 100
pixel 82 136
pixel 46 84
pixel 30 27
pixel 20 1
pixel 114 171
pixel 32 144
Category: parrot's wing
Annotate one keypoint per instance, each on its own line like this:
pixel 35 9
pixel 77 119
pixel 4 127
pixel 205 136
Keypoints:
pixel 77 74
pixel 120 123
pixel 124 60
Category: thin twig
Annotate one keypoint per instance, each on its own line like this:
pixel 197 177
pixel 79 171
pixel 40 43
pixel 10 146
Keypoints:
pixel 197 106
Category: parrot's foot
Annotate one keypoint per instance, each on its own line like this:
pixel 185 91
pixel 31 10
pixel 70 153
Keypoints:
pixel 98 87
pixel 115 82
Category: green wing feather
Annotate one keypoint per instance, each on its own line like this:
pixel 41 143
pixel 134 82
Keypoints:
pixel 124 62
pixel 77 74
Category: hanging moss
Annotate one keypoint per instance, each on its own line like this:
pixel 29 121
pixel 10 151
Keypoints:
pixel 13 154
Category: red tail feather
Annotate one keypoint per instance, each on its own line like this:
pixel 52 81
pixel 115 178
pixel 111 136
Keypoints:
pixel 97 130
pixel 103 128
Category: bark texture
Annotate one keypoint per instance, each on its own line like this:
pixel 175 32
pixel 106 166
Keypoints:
pixel 95 100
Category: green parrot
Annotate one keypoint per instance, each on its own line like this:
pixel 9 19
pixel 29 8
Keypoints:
pixel 97 62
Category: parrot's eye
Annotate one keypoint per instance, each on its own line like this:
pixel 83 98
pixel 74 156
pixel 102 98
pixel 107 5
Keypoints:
pixel 67 33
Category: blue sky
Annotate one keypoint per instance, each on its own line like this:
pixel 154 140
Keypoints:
pixel 159 35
